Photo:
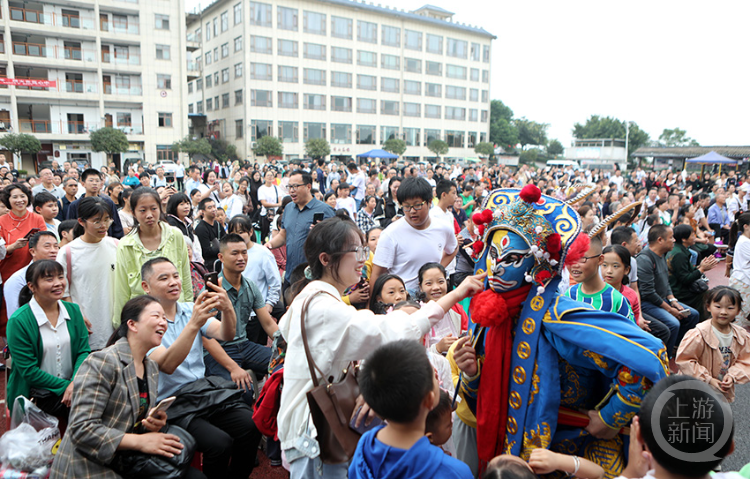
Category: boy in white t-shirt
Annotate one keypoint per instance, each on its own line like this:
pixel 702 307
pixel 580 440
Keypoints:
pixel 344 201
pixel 408 243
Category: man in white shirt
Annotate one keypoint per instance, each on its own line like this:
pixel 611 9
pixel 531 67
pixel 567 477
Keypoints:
pixel 333 175
pixel 48 185
pixel 358 182
pixel 42 245
pixel 409 243
pixel 617 180
pixel 447 192
pixel 194 180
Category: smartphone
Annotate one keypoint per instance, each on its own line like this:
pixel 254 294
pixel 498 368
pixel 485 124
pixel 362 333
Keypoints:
pixel 31 233
pixel 376 421
pixel 317 218
pixel 212 278
pixel 163 405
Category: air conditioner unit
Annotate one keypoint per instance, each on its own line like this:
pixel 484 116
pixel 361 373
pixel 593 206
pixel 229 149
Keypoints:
pixel 253 145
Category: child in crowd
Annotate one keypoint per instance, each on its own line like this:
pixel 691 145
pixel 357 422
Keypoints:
pixel 541 461
pixel 388 290
pixel 591 288
pixel 439 424
pixel 616 271
pixel 718 351
pixel 46 205
pixel 433 285
pixel 344 201
pixel 65 231
pixel 698 454
pixel 373 235
pixel 401 448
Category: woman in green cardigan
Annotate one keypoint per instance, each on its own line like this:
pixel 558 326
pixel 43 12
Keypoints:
pixel 48 341
pixel 682 272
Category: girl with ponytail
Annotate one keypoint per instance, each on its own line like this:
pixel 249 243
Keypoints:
pixel 739 241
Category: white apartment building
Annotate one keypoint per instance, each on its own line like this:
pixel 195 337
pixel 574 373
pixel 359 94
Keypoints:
pixel 70 67
pixel 351 72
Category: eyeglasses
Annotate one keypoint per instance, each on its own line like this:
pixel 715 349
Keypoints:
pixel 99 223
pixel 294 187
pixel 361 253
pixel 416 207
pixel 586 258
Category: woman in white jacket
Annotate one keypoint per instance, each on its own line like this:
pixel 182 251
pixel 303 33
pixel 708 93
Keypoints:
pixel 338 333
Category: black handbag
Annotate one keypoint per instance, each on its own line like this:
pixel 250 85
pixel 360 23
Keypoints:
pixel 699 286
pixel 139 465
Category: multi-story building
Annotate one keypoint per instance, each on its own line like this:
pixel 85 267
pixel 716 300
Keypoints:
pixel 69 67
pixel 351 72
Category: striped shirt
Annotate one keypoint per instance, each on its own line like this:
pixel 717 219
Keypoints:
pixel 608 299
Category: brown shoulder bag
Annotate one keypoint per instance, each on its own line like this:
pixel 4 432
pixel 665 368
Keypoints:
pixel 331 404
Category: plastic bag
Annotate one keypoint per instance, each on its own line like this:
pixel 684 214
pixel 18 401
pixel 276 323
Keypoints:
pixel 32 440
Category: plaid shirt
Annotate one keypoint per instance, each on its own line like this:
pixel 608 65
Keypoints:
pixel 365 221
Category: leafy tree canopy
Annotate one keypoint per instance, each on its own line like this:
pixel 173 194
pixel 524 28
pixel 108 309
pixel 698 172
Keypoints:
pixel 20 143
pixel 439 147
pixel 484 148
pixel 608 127
pixel 109 140
pixel 317 148
pixel 555 148
pixel 192 146
pixel 395 145
pixel 676 137
pixel 268 146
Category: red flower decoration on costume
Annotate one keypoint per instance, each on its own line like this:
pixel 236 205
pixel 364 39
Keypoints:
pixel 530 193
pixel 477 247
pixel 554 245
pixel 542 276
pixel 487 216
pixel 477 218
pixel 482 217
pixel 480 230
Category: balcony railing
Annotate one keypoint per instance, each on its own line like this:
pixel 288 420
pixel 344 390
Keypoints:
pixel 70 127
pixel 129 28
pixel 129 58
pixel 193 66
pixel 66 53
pixel 192 37
pixel 79 86
pixel 133 90
pixel 26 15
pixel 30 49
pixel 53 19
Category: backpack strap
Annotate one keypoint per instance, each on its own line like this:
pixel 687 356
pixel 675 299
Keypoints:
pixel 69 266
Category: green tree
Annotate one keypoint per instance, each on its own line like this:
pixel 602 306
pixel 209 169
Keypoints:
pixel 439 147
pixel 223 150
pixel 608 127
pixel 20 143
pixel 484 148
pixel 529 157
pixel 555 148
pixel 531 132
pixel 192 147
pixel 268 146
pixel 109 140
pixel 502 130
pixel 676 137
pixel 395 145
pixel 317 148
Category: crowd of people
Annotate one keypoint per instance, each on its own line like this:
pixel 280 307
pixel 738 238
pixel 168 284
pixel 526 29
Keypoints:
pixel 123 289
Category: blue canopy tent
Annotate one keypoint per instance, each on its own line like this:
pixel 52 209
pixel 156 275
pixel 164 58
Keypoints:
pixel 378 153
pixel 712 158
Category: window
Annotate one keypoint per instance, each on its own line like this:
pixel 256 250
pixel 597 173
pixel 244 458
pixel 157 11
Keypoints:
pixel 216 78
pixel 431 135
pixel 475 74
pixel 341 79
pixel 162 22
pixel 341 55
pixel 312 76
pixel 482 137
pixel 485 96
pixel 455 71
pixel 456 48
pixel 366 134
pixel 199 84
pixel 224 21
pixel 288 131
pixel 238 70
pixel 473 94
pixel 190 87
pixel 314 51
pixel 455 92
pixel 433 89
pixel 455 139
pixel 216 27
pixel 412 87
pixel 486 53
pixel 287 48
pixel 434 44
pixel 413 40
pixel 455 113
pixel 260 14
pixel 216 102
pixel 209 81
pixel 485 76
pixel 314 102
pixel 216 54
pixel 239 129
pixel 391 36
pixel 261 71
pixel 473 114
pixel 367 31
pixel 471 139
pixel 341 134
pixel 225 75
pixel 412 109
pixel 225 100
pixel 238 97
pixel 388 107
pixel 286 18
pixel 411 136
pixel 260 128
pixel 484 116
pixel 365 105
pixel 367 59
pixel 288 99
pixel 476 51
pixel 165 120
pixel 388 133
pixel 162 52
pixel 238 44
pixel 413 65
pixel 238 13
pixel 341 27
pixel 164 82
pixel 197 34
pixel 341 103
pixel 390 62
pixel 208 58
pixel 190 108
pixel 434 68
pixel 124 119
pixel 313 22
pixel 199 107
pixel 314 130
pixel 389 84
pixel 432 111
pixel 367 82
pixel 261 98
pixel 260 44
pixel 208 31
pixel 287 74
pixel 224 50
